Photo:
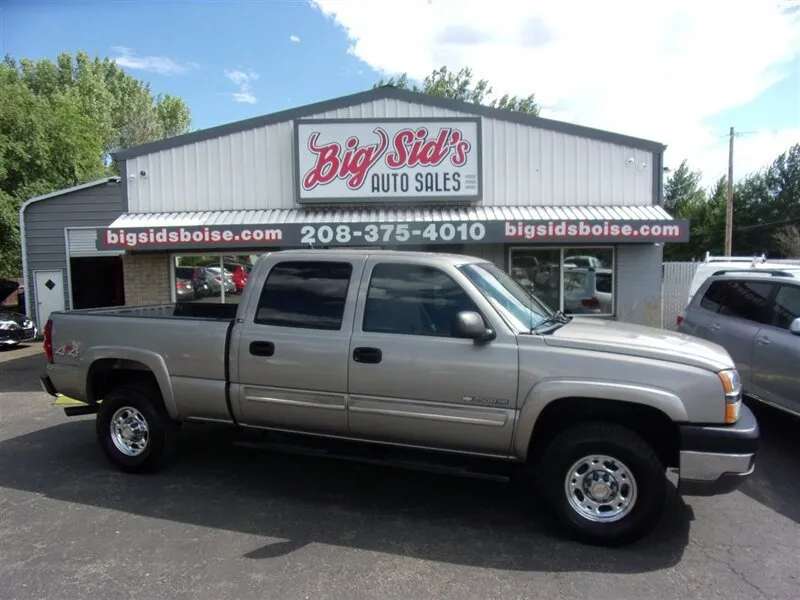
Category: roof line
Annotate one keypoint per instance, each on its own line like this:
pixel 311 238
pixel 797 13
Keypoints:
pixel 390 93
pixel 69 190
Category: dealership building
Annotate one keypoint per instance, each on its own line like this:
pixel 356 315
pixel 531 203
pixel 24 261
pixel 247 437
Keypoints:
pixel 573 213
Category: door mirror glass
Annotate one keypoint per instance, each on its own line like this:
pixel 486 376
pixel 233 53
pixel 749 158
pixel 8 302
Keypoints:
pixel 794 326
pixel 469 324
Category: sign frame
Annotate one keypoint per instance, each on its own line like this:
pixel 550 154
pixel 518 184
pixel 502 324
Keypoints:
pixel 393 199
pixel 379 234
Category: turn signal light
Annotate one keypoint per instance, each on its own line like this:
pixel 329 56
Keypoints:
pixel 732 385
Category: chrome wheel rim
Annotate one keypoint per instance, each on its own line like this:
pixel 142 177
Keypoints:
pixel 600 488
pixel 129 431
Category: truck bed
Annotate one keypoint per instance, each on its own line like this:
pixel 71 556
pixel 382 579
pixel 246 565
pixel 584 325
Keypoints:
pixel 188 310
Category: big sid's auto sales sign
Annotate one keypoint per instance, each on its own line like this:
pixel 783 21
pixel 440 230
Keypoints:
pixel 388 160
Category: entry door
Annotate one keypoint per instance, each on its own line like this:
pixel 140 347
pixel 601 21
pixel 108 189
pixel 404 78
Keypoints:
pixel 49 294
pixel 410 381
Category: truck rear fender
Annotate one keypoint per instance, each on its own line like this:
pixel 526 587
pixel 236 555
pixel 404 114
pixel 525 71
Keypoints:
pixel 103 357
pixel 546 392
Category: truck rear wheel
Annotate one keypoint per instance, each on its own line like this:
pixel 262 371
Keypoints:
pixel 134 430
pixel 605 483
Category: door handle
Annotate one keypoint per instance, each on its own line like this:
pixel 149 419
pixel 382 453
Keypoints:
pixel 262 348
pixel 367 355
pixel 762 341
pixel 714 327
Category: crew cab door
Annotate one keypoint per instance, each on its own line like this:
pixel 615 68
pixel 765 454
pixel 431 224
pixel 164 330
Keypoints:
pixel 410 381
pixel 293 351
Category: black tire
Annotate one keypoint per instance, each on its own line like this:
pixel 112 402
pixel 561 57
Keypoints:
pixel 624 445
pixel 159 446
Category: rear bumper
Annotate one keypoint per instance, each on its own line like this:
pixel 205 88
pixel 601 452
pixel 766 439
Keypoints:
pixel 47 385
pixel 716 459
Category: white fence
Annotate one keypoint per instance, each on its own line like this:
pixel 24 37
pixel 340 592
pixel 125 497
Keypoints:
pixel 676 277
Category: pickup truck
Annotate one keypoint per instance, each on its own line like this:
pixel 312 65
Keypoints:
pixel 432 353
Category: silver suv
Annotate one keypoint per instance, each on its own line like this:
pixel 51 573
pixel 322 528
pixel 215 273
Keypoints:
pixel 756 318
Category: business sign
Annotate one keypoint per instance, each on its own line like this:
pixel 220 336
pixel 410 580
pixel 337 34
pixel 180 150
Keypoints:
pixel 374 160
pixel 298 235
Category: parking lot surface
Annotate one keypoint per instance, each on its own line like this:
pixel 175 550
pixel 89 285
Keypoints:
pixel 228 522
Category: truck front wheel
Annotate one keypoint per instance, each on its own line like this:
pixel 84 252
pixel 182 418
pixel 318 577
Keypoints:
pixel 134 429
pixel 604 482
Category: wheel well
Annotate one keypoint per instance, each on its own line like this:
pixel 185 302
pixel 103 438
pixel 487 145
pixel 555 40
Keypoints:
pixel 653 425
pixel 110 373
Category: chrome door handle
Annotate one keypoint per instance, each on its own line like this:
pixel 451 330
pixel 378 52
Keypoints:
pixel 762 341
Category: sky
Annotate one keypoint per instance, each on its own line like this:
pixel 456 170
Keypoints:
pixel 679 72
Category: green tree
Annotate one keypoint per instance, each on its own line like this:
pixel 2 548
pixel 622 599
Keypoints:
pixel 460 86
pixel 61 120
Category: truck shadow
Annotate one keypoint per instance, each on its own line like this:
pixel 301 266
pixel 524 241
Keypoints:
pixel 303 500
pixel 776 480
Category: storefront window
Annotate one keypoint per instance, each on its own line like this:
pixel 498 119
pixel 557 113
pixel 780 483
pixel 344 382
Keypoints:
pixel 210 278
pixel 574 280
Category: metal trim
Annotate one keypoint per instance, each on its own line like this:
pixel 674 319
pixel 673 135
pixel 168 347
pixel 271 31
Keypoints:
pixel 710 466
pixel 390 93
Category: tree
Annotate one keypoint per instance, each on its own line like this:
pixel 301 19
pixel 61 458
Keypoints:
pixel 459 86
pixel 788 241
pixel 59 124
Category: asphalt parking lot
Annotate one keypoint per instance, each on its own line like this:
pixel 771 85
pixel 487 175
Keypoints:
pixel 228 522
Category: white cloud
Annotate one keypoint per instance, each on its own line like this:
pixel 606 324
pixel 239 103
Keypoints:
pixel 294 38
pixel 155 64
pixel 652 70
pixel 244 81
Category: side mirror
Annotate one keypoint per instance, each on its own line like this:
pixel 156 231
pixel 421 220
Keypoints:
pixel 794 326
pixel 469 324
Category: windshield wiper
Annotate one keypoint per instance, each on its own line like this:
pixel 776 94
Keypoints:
pixel 556 320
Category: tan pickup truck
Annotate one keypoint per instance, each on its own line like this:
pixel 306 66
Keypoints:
pixel 444 355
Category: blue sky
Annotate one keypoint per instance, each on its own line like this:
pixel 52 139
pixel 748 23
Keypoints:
pixel 234 60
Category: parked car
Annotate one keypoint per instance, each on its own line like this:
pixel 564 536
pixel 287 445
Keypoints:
pixel 588 291
pixel 184 290
pixel 238 273
pixel 198 277
pixel 215 280
pixel 406 350
pixel 15 327
pixel 755 316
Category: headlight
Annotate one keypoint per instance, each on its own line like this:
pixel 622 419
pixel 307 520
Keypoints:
pixel 732 386
pixel 8 325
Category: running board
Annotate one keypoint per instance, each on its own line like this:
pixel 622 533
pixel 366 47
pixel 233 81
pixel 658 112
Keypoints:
pixel 391 457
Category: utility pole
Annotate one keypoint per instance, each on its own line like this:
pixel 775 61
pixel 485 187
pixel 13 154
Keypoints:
pixel 729 210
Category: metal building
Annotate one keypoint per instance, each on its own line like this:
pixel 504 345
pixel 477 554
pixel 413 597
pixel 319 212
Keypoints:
pixel 572 213
pixel 62 267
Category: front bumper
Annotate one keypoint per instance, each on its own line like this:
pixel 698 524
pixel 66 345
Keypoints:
pixel 18 335
pixel 716 459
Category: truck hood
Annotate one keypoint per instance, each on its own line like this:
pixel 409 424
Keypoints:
pixel 603 335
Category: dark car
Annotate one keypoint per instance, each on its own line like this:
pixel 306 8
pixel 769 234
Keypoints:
pixel 15 327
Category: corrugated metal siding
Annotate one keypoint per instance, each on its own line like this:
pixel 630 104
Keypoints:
pixel 638 297
pixel 82 242
pixel 489 213
pixel 522 166
pixel 46 220
pixel 677 278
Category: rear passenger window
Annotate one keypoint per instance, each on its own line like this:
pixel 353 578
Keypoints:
pixel 743 299
pixel 308 295
pixel 413 300
pixel 787 306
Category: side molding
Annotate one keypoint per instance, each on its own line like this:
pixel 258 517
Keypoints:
pixel 151 360
pixel 545 392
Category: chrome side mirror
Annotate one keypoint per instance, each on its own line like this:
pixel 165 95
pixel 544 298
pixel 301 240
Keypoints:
pixel 794 326
pixel 469 324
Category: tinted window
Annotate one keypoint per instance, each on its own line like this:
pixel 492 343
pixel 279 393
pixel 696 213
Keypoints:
pixel 603 282
pixel 311 295
pixel 743 299
pixel 787 306
pixel 414 300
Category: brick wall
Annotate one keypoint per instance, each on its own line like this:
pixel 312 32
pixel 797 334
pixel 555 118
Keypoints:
pixel 146 279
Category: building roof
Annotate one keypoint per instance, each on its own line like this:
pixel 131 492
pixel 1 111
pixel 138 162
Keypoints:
pixel 389 215
pixel 390 93
pixel 69 190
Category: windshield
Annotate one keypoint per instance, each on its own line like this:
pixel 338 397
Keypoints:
pixel 521 310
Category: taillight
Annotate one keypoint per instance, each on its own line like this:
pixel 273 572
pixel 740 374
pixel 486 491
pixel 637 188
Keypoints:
pixel 590 303
pixel 679 320
pixel 48 340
